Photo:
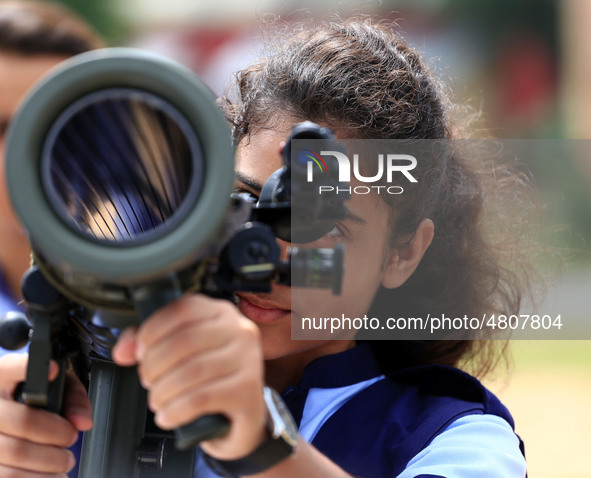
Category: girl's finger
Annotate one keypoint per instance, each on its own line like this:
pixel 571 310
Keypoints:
pixel 28 456
pixel 216 397
pixel 246 423
pixel 179 346
pixel 77 408
pixel 191 374
pixel 34 425
pixel 13 369
pixel 185 311
pixel 124 352
pixel 10 472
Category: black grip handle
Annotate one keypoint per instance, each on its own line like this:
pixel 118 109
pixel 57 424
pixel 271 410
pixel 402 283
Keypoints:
pixel 148 298
pixel 203 428
pixel 51 401
pixel 46 310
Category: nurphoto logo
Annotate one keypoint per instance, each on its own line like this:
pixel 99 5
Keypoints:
pixel 390 165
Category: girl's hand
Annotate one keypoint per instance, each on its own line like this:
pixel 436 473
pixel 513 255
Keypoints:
pixel 200 356
pixel 33 442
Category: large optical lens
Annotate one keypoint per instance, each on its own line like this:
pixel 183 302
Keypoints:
pixel 122 165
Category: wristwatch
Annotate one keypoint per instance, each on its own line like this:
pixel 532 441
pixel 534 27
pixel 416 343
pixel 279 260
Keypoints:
pixel 281 443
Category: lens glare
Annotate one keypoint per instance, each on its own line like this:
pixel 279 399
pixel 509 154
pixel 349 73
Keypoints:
pixel 121 165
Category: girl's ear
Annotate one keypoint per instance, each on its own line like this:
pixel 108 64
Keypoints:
pixel 406 259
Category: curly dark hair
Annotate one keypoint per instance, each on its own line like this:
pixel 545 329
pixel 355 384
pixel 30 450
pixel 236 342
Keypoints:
pixel 361 79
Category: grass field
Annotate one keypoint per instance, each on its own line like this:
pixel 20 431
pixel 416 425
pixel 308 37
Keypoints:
pixel 548 391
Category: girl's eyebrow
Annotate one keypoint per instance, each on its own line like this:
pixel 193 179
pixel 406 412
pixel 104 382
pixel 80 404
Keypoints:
pixel 256 187
pixel 247 181
pixel 354 217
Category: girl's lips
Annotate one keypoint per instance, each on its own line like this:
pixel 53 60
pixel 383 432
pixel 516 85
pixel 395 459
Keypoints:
pixel 260 311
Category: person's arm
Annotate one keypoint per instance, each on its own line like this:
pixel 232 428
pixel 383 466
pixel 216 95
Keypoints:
pixel 201 356
pixel 33 442
pixel 308 462
pixel 474 445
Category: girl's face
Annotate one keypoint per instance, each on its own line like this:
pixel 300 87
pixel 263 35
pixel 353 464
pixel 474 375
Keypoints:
pixel 367 262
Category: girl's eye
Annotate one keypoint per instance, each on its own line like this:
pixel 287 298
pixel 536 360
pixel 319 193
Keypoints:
pixel 335 233
pixel 250 196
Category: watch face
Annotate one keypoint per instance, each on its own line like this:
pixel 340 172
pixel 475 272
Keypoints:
pixel 282 423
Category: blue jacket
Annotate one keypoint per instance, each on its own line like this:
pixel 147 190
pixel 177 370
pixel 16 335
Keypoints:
pixel 429 421
pixel 378 431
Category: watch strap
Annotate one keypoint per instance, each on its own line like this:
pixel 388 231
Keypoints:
pixel 269 453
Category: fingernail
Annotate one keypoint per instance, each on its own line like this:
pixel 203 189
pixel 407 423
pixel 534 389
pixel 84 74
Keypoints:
pixel 82 412
pixel 53 367
pixel 74 438
pixel 140 351
pixel 160 419
pixel 71 460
